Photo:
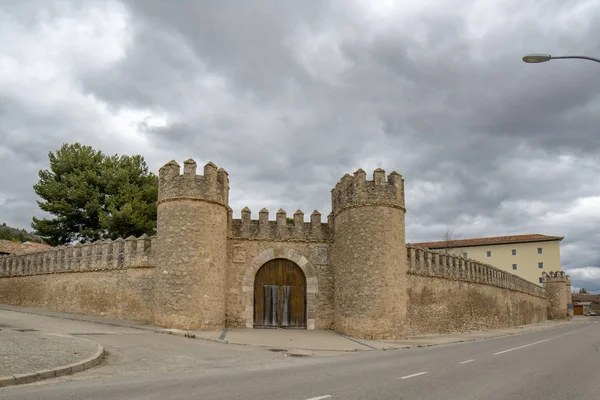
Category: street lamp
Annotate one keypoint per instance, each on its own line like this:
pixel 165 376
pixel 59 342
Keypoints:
pixel 539 58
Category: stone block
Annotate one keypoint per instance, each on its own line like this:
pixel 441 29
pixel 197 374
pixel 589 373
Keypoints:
pixel 77 367
pixel 26 378
pixel 7 381
pixel 60 371
pixel 46 373
pixel 302 261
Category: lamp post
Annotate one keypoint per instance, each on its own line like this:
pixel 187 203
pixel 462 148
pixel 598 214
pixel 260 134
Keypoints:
pixel 539 58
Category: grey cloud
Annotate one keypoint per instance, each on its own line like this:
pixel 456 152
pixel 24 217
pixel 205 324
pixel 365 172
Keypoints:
pixel 289 96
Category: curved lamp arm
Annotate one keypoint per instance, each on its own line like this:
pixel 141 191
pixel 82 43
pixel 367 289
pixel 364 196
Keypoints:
pixel 582 57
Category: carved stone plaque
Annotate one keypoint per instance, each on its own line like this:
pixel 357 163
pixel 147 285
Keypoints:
pixel 239 254
pixel 321 255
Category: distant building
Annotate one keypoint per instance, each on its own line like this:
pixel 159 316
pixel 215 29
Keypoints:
pixel 8 247
pixel 524 255
pixel 583 303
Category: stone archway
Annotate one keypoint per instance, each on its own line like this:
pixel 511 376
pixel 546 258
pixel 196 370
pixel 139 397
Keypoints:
pixel 312 288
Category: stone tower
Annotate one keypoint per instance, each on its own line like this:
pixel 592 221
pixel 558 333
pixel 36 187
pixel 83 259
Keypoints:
pixel 369 255
pixel 558 294
pixel 191 247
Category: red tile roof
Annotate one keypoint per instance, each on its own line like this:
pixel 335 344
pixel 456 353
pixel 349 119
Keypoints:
pixel 6 246
pixel 487 241
pixel 586 297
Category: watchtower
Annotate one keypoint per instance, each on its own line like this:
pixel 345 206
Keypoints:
pixel 191 247
pixel 369 255
pixel 558 294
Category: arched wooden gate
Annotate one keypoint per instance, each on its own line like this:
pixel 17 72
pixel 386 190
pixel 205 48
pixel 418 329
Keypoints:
pixel 280 295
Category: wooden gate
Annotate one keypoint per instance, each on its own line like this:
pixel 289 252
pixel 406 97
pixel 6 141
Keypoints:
pixel 280 295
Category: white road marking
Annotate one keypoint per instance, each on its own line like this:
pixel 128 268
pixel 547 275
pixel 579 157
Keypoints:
pixel 520 347
pixel 320 397
pixel 467 361
pixel 531 344
pixel 413 375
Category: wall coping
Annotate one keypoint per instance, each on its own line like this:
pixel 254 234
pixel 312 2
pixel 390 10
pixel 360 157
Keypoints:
pixel 424 262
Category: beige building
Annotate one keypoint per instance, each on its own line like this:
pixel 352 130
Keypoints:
pixel 527 256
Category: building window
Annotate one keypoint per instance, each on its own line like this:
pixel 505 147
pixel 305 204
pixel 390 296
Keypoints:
pixel 540 265
pixel 539 250
pixel 514 266
pixel 489 253
pixel 514 252
pixel 540 280
pixel 465 255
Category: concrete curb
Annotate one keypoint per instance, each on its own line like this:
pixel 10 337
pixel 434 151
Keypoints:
pixel 187 334
pixel 19 379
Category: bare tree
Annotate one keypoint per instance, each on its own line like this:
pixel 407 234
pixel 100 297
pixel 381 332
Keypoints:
pixel 449 238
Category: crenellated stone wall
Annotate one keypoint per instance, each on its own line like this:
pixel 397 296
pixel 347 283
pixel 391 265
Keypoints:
pixel 445 266
pixel 109 278
pixel 361 279
pixel 449 294
pixel 106 255
pixel 280 229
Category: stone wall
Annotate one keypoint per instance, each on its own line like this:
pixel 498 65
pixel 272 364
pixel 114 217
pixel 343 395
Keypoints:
pixel 198 272
pixel 119 293
pixel 448 294
pixel 280 229
pixel 99 256
pixel 246 256
pixel 110 279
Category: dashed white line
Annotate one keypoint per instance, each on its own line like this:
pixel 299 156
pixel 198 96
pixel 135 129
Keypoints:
pixel 520 347
pixel 413 375
pixel 467 361
pixel 538 342
pixel 320 397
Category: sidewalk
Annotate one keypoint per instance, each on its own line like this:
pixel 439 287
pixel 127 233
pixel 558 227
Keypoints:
pixel 27 355
pixel 300 342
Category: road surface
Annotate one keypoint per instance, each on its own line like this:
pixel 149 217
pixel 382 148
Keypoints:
pixel 556 364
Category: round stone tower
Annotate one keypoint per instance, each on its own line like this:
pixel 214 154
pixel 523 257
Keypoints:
pixel 558 294
pixel 369 256
pixel 191 247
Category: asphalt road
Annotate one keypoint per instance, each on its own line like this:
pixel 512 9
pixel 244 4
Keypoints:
pixel 561 363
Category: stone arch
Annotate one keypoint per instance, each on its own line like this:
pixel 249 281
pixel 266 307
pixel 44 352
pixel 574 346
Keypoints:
pixel 312 287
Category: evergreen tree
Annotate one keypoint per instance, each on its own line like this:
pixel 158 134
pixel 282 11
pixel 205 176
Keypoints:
pixel 93 196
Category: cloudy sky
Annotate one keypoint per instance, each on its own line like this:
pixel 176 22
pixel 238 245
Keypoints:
pixel 288 96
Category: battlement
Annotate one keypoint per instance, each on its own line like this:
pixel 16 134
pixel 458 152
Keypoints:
pixel 558 276
pixel 436 264
pixel 118 254
pixel 212 186
pixel 280 229
pixel 357 190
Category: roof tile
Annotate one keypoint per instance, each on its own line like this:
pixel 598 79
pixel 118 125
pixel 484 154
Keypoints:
pixel 487 241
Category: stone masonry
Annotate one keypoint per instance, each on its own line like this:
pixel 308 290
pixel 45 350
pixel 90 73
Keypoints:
pixel 558 298
pixel 198 272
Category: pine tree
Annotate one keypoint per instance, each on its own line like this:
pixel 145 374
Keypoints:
pixel 93 196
